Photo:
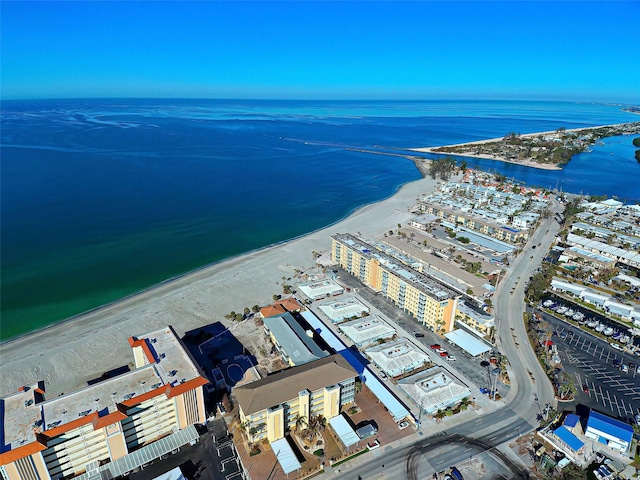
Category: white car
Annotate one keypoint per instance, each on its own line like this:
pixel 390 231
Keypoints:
pixel 451 358
pixel 402 425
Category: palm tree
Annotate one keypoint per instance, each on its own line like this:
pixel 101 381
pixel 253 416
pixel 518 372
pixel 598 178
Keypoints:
pixel 315 427
pixel 301 422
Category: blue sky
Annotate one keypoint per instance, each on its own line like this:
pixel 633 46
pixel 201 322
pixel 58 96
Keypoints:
pixel 325 50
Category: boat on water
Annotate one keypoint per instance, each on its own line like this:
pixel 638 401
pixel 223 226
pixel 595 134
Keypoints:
pixel 607 331
pixel 616 335
pixel 548 303
pixel 569 313
pixel 600 327
pixel 561 310
pixel 578 316
pixel 592 323
pixel 624 339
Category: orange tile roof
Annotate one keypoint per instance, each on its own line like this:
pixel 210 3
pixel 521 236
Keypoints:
pixel 272 310
pixel 290 304
pixel 132 402
pixel 186 386
pixel 134 342
pixel 20 452
pixel 65 427
pixel 114 417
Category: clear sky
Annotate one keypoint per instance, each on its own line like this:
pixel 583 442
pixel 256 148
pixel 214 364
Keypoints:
pixel 579 50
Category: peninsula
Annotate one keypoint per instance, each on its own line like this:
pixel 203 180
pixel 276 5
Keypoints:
pixel 547 150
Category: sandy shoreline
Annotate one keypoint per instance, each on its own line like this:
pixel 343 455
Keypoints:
pixel 67 354
pixel 525 163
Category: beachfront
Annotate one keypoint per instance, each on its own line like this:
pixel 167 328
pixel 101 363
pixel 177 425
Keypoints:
pixel 68 354
pixel 534 149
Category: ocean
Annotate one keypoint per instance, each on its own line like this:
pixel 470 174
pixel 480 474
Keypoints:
pixel 103 198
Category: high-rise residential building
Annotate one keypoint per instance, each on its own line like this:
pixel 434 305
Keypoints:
pixel 108 426
pixel 426 298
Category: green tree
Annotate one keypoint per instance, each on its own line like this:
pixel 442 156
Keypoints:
pixel 636 142
pixel 255 309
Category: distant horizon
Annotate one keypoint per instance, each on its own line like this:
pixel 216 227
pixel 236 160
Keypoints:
pixel 328 99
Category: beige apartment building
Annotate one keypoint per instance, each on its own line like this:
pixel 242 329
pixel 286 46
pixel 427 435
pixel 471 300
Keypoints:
pixel 106 428
pixel 427 299
pixel 475 222
pixel 270 407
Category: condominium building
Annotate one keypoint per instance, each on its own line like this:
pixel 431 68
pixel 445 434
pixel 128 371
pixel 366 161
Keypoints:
pixel 494 227
pixel 426 298
pixel 295 344
pixel 102 429
pixel 270 407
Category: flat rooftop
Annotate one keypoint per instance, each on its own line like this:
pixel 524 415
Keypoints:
pixel 319 288
pixel 397 357
pixel 434 389
pixel 367 329
pixel 339 310
pixel 428 285
pixel 170 365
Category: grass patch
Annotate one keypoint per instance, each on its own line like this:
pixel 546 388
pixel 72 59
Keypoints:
pixel 349 458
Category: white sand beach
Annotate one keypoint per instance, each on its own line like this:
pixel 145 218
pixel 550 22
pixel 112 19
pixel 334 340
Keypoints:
pixel 525 162
pixel 68 354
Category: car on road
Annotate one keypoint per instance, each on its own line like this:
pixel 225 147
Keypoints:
pixel 440 350
pixel 402 425
pixel 444 353
pixel 451 358
pixel 383 375
pixel 418 334
pixel 435 346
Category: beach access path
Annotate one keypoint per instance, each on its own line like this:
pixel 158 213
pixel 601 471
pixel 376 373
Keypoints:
pixel 68 354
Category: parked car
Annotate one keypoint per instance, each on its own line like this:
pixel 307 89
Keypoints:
pixel 402 425
pixel 373 445
pixel 624 368
pixel 418 334
pixel 451 358
pixel 444 353
pixel 616 363
pixel 435 346
pixel 585 389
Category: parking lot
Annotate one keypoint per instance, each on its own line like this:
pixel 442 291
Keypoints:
pixel 596 365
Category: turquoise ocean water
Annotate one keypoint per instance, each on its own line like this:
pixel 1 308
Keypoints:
pixel 103 198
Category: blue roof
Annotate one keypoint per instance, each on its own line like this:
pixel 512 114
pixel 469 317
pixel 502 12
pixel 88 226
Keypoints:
pixel 571 420
pixel 569 438
pixel 611 426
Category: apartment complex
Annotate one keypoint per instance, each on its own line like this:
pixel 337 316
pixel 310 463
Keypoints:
pixel 269 407
pixel 481 222
pixel 426 298
pixel 102 428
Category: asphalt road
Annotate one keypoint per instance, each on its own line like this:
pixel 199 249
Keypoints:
pixel 530 388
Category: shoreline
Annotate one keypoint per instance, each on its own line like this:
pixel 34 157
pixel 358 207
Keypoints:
pixel 97 339
pixel 524 163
